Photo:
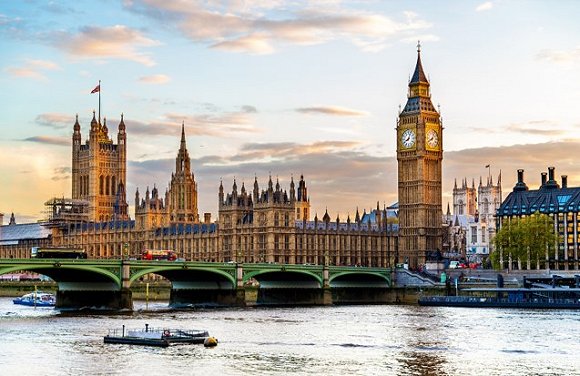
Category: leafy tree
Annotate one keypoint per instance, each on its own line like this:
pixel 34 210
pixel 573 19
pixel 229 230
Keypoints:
pixel 525 239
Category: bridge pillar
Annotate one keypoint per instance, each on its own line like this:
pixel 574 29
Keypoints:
pixel 325 277
pixel 94 300
pixel 239 275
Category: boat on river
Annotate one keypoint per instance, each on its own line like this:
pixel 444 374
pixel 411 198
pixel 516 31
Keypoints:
pixel 36 299
pixel 501 297
pixel 161 337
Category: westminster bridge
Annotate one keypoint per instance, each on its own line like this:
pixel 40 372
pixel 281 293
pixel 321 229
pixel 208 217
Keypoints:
pixel 106 283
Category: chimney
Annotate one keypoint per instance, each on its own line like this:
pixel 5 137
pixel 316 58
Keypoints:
pixel 207 218
pixel 551 183
pixel 564 181
pixel 520 185
pixel 551 173
pixel 544 178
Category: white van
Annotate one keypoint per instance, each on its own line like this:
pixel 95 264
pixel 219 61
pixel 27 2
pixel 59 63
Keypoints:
pixel 454 265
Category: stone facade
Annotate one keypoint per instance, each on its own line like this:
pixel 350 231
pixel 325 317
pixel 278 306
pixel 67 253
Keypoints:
pixel 472 225
pixel 419 155
pixel 99 171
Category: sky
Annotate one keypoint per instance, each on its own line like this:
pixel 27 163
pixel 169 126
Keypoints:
pixel 283 89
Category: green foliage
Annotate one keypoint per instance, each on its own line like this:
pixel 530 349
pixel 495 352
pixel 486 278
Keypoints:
pixel 525 238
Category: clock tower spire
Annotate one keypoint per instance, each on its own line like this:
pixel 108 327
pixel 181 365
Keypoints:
pixel 419 156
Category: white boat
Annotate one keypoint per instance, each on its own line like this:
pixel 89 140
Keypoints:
pixel 36 299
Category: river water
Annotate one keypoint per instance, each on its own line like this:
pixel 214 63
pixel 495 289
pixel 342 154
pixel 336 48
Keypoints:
pixel 335 340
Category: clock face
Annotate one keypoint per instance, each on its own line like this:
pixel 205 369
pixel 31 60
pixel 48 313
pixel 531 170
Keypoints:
pixel 432 138
pixel 408 138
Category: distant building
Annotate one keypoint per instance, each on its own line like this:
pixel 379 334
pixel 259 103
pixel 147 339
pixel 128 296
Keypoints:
pixel 472 225
pixel 561 203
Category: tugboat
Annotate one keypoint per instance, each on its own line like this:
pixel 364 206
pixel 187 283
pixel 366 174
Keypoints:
pixel 161 337
pixel 36 299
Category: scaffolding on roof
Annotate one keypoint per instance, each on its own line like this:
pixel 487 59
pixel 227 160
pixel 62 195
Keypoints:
pixel 65 211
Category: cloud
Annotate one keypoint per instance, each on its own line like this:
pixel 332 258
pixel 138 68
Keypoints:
pixel 50 140
pixel 115 42
pixel 560 56
pixel 535 128
pixel 254 28
pixel 331 110
pixel 33 69
pixel 338 174
pixel 61 173
pixel 342 176
pixel 216 124
pixel 155 79
pixel 488 5
pixel 55 120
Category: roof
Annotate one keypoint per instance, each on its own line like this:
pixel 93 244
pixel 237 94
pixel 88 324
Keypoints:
pixel 419 75
pixel 10 233
pixel 543 200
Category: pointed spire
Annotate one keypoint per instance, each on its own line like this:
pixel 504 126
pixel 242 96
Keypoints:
pixel 455 186
pixel 183 135
pixel 122 124
pixel 448 209
pixel 419 74
pixel 77 126
pixel 480 181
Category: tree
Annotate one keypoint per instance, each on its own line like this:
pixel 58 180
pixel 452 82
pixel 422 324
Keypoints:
pixel 528 239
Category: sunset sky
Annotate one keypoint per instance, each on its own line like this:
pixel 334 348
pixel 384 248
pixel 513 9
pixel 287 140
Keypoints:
pixel 285 88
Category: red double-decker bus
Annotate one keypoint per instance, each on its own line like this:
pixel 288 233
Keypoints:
pixel 158 254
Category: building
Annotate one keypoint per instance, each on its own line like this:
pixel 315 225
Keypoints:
pixel 99 169
pixel 472 225
pixel 560 203
pixel 270 225
pixel 419 155
pixel 180 205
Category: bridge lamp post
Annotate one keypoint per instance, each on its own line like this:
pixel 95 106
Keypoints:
pixel 125 250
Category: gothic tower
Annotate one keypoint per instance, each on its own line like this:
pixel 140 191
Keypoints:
pixel 99 171
pixel 419 155
pixel 182 195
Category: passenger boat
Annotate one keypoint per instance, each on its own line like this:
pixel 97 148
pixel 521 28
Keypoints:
pixel 161 337
pixel 501 297
pixel 37 299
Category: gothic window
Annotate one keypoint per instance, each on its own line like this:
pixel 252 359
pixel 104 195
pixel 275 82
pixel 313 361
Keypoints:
pixel 113 185
pixel 473 234
pixel 276 220
pixel 286 220
pixel 101 183
pixel 297 213
pixel 107 184
pixel 485 206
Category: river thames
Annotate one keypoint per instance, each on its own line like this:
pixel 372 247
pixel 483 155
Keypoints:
pixel 334 340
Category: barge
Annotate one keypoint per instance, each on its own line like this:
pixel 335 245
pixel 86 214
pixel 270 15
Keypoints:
pixel 160 337
pixel 500 297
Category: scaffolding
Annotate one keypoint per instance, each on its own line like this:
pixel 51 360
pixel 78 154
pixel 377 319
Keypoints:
pixel 62 212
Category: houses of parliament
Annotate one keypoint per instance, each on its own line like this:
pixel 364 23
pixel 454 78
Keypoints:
pixel 261 223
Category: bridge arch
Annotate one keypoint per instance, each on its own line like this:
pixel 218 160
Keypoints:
pixel 283 275
pixel 353 278
pixel 65 272
pixel 182 271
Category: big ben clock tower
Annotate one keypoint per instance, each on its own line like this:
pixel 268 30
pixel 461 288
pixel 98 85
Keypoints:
pixel 419 157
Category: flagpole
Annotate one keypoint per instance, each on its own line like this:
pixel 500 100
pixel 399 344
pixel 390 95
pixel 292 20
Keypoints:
pixel 99 102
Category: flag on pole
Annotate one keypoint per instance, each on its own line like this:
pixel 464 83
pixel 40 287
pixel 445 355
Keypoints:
pixel 486 166
pixel 96 89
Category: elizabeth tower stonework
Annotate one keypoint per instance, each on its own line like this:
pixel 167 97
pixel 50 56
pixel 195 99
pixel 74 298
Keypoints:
pixel 419 156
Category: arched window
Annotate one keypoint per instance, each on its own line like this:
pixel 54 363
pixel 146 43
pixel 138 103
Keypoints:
pixel 101 183
pixel 113 186
pixel 107 185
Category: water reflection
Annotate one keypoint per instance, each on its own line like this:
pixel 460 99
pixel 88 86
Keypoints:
pixel 351 340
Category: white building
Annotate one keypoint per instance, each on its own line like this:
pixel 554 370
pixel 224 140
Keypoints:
pixel 472 224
